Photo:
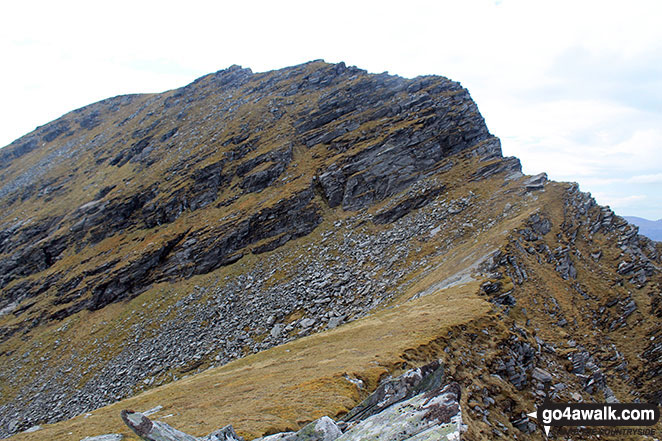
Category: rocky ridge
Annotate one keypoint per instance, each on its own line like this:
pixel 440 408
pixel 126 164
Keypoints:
pixel 438 118
pixel 246 211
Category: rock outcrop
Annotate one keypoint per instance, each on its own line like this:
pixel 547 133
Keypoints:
pixel 412 407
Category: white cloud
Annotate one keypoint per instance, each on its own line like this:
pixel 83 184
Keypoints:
pixel 647 179
pixel 619 203
pixel 572 88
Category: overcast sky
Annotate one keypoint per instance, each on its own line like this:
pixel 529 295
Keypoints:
pixel 573 88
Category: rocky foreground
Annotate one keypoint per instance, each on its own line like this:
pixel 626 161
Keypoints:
pixel 413 407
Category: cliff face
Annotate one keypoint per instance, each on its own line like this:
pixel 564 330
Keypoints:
pixel 147 237
pixel 261 154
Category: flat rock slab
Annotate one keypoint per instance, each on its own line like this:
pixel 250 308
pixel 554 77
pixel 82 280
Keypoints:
pixel 323 429
pixel 412 382
pixel 438 409
pixel 153 430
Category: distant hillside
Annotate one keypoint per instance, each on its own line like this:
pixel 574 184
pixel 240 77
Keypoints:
pixel 649 228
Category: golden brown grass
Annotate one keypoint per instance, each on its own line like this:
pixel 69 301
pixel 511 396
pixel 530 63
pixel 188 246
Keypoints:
pixel 286 386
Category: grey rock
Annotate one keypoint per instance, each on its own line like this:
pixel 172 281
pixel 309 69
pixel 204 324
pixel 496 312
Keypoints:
pixel 488 149
pixel 335 322
pixel 536 182
pixel 609 395
pixel 152 410
pixel 32 429
pixel 331 184
pixel 283 436
pixel 579 360
pixel 595 383
pixel 153 430
pixel 629 309
pixel 108 437
pixel 404 207
pixel 260 180
pixel 307 323
pixel 539 224
pixel 12 426
pixel 508 165
pixel 437 411
pixel 227 433
pixel 523 424
pixel 625 267
pixel 410 383
pixel 564 265
pixel 150 430
pixel 277 330
pixel 541 375
pixel 445 432
pixel 323 429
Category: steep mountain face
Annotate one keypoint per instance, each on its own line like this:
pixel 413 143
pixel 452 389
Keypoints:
pixel 149 237
pixel 263 153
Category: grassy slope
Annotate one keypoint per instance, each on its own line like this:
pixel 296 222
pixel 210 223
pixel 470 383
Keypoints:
pixel 286 386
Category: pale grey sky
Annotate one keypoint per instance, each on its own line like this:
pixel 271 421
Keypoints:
pixel 573 88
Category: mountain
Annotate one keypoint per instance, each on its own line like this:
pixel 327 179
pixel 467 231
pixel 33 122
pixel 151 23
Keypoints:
pixel 265 249
pixel 651 229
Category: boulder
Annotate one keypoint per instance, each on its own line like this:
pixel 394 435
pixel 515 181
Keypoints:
pixel 536 182
pixel 407 385
pixel 227 433
pixel 153 430
pixel 436 411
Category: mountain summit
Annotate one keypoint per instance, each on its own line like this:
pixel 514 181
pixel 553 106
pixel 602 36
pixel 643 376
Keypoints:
pixel 328 227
